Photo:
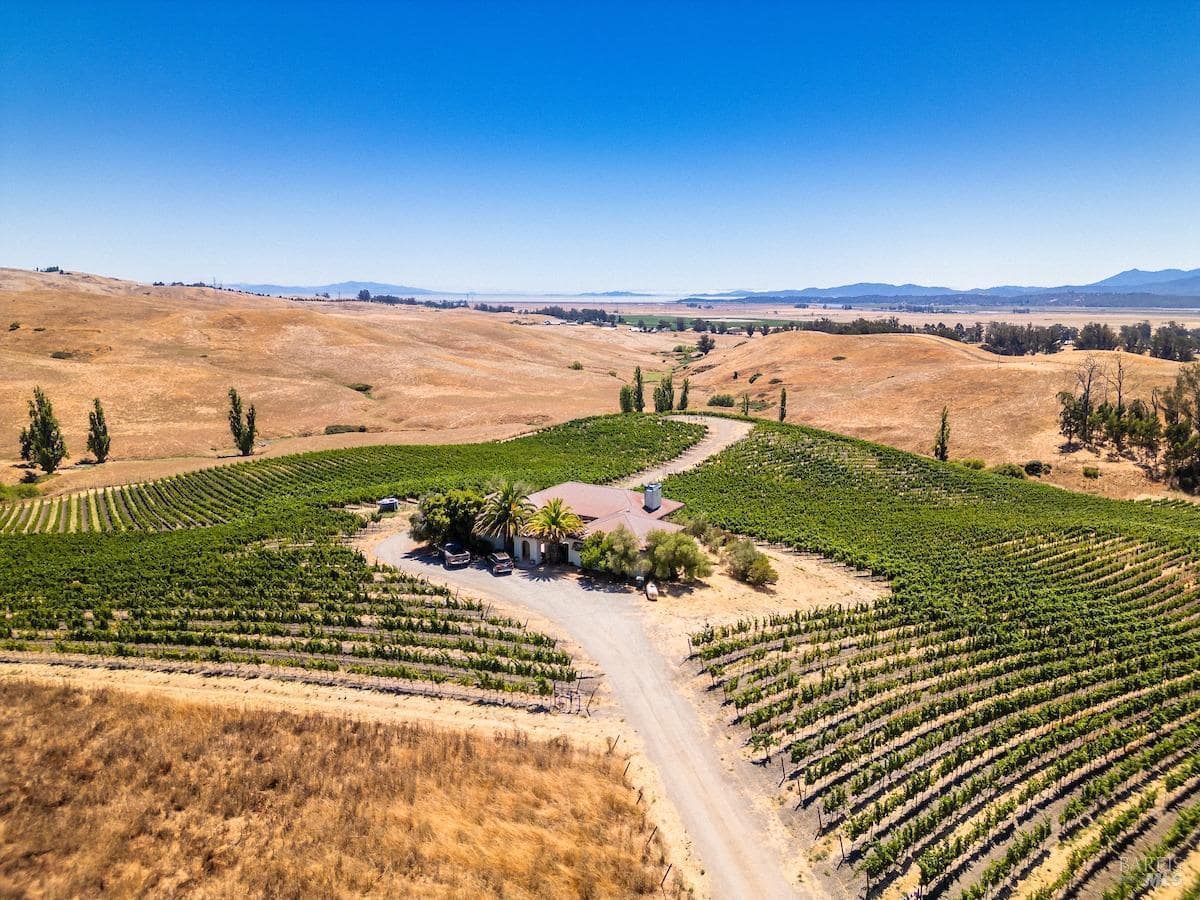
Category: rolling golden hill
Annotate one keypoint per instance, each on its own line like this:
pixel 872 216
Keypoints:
pixel 891 388
pixel 162 360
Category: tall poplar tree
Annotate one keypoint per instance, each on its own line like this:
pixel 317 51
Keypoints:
pixel 98 441
pixel 42 440
pixel 941 447
pixel 245 429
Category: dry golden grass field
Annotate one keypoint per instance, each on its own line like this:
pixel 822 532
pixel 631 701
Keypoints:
pixel 106 794
pixel 162 360
pixel 891 388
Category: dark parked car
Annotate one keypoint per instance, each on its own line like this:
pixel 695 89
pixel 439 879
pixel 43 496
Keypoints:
pixel 500 563
pixel 455 554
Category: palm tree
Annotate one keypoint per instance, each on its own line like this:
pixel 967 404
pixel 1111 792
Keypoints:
pixel 505 511
pixel 554 523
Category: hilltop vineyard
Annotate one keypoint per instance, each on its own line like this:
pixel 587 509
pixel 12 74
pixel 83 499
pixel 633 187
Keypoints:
pixel 244 565
pixel 1022 711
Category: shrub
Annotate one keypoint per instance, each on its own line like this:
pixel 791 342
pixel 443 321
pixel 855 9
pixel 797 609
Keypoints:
pixel 755 377
pixel 13 326
pixel 616 553
pixel 359 386
pixel 671 555
pixel 446 516
pixel 838 358
pixel 721 400
pixel 761 572
pixel 25 491
pixel 1091 472
pixel 577 366
pixel 61 354
pixel 696 524
pixel 344 429
pixel 1008 470
pixel 747 563
pixel 1037 468
pixel 775 381
pixel 976 464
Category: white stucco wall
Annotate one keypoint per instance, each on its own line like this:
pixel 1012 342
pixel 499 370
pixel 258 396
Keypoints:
pixel 534 555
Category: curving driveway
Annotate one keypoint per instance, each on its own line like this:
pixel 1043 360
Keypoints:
pixel 729 836
pixel 721 434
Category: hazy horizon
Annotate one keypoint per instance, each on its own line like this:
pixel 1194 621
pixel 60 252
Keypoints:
pixel 663 148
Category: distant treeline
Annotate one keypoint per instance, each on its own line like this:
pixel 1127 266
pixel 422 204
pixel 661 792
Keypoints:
pixel 1170 341
pixel 590 316
pixel 366 296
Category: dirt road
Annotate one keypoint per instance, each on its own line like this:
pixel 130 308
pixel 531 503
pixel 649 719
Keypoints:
pixel 740 856
pixel 721 433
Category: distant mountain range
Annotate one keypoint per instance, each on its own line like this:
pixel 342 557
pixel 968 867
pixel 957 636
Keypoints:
pixel 351 289
pixel 1165 282
pixel 1137 286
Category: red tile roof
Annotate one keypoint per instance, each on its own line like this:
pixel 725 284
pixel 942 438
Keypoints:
pixel 640 524
pixel 595 501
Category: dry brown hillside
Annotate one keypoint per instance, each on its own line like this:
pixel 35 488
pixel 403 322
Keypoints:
pixel 105 794
pixel 162 360
pixel 891 388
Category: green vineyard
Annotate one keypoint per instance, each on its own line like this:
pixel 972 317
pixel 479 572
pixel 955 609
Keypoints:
pixel 245 565
pixel 600 449
pixel 1030 685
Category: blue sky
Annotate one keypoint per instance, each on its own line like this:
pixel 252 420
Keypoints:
pixel 572 146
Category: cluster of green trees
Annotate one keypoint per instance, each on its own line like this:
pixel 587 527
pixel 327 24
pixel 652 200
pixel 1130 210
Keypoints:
pixel 587 316
pixel 668 556
pixel 632 397
pixel 1164 430
pixel 1169 341
pixel 616 553
pixel 42 441
pixel 504 512
pixel 1019 340
pixel 443 516
pixel 366 296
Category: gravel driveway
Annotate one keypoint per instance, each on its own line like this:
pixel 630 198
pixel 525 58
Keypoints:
pixel 727 833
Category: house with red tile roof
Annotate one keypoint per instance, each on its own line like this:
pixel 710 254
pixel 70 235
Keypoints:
pixel 603 509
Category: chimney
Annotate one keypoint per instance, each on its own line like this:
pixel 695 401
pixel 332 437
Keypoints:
pixel 652 499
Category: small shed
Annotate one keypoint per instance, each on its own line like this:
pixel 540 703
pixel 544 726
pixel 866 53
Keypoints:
pixel 389 504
